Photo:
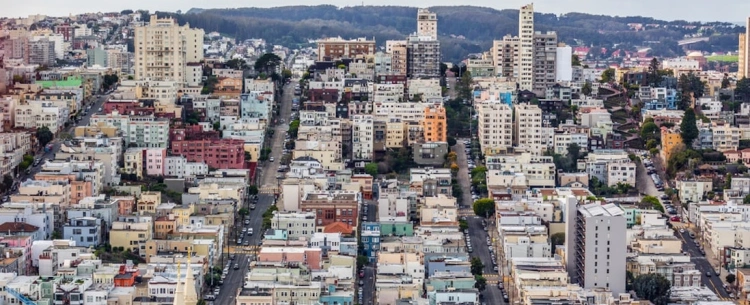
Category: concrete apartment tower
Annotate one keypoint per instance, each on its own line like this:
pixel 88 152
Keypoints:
pixel 163 49
pixel 596 246
pixel 525 59
pixel 744 54
pixel 426 23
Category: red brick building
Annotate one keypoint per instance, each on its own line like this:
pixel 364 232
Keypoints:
pixel 216 153
pixel 334 206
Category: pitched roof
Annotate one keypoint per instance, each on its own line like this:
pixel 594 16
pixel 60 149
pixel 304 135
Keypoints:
pixel 18 227
pixel 338 227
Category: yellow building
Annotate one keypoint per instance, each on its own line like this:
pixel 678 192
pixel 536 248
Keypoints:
pixel 133 161
pixel 435 124
pixel 131 235
pixel 91 131
pixel 394 133
pixel 254 150
pixel 669 139
pixel 182 214
pixel 148 202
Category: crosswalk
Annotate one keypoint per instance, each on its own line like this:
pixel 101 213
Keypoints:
pixel 728 299
pixel 492 279
pixel 465 213
pixel 244 250
pixel 268 189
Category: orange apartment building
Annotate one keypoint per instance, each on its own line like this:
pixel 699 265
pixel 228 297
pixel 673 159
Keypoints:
pixel 164 226
pixel 332 49
pixel 228 87
pixel 434 124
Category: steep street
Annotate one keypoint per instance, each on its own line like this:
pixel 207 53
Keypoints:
pixel 268 171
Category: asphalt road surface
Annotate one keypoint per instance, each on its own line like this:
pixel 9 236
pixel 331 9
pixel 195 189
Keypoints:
pixel 481 249
pixel 235 278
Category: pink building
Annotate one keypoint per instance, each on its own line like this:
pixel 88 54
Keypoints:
pixel 22 243
pixel 311 257
pixel 154 159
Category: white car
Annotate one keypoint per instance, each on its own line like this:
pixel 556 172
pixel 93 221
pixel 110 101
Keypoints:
pixel 270 159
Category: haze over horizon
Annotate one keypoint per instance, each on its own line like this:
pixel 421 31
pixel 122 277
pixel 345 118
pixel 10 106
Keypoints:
pixel 691 10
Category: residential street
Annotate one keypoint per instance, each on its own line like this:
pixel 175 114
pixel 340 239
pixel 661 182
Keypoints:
pixel 84 121
pixel 492 295
pixel 702 262
pixel 235 278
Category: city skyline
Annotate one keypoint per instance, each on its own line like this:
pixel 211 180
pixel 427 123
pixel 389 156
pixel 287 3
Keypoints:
pixel 664 10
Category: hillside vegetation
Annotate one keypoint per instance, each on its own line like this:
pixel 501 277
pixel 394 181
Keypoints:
pixel 463 29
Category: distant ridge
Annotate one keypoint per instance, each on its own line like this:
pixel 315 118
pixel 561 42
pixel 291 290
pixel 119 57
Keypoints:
pixel 463 30
pixel 195 10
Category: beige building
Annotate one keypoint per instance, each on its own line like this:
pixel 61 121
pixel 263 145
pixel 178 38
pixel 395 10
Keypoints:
pixel 163 49
pixel 744 58
pixel 495 130
pixel 528 129
pixel 133 161
pixel 525 60
pixel 427 23
pixel 397 49
pixel 57 192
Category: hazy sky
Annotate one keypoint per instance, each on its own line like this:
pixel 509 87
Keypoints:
pixel 701 10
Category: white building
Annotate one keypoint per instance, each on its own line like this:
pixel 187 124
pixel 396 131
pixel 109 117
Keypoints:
pixel 38 114
pixel 596 240
pixel 362 137
pixel 563 64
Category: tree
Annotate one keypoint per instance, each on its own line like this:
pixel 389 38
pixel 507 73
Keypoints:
pixel 443 68
pixel 730 278
pixel 557 239
pixel 649 130
pixel 293 129
pixel 725 81
pixel 608 75
pixel 654 77
pixel 463 225
pixel 575 61
pixel 650 202
pixel 586 89
pixel 362 261
pixel 236 64
pixel 574 152
pixel 126 12
pixel 484 207
pixel 286 74
pixel 477 266
pixel 243 212
pixel 252 190
pixel 371 169
pixel 746 200
pixel 451 141
pixel 44 136
pixel 742 90
pixel 267 62
pixel 688 128
pixel 653 287
pixel 480 283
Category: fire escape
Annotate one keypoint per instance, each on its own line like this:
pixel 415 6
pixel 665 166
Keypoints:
pixel 24 300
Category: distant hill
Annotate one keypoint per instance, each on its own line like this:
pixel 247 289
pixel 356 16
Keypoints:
pixel 463 29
